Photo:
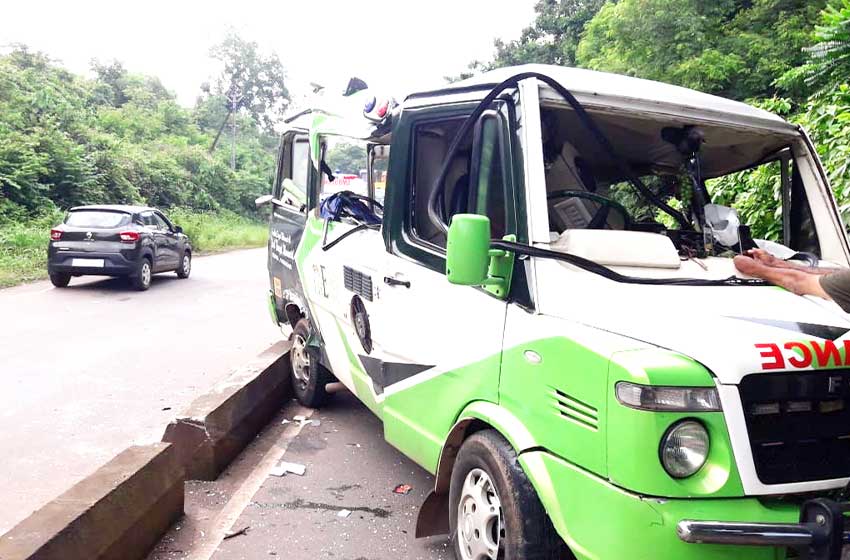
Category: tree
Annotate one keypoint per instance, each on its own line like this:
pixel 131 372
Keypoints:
pixel 113 78
pixel 258 78
pixel 119 138
pixel 552 39
pixel 828 61
pixel 734 48
pixel 346 157
pixel 554 36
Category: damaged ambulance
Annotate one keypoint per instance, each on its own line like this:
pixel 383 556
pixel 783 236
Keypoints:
pixel 545 315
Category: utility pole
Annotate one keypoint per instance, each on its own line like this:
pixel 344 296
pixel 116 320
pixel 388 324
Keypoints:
pixel 234 98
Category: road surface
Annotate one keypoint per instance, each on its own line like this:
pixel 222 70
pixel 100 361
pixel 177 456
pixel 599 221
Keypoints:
pixel 349 468
pixel 88 370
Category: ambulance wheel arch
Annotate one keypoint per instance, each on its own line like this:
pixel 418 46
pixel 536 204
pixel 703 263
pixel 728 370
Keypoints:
pixel 493 505
pixel 476 417
pixel 293 314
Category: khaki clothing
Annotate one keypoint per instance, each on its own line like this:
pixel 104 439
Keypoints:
pixel 837 285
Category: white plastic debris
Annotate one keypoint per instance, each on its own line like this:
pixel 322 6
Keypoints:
pixel 303 421
pixel 343 513
pixel 283 468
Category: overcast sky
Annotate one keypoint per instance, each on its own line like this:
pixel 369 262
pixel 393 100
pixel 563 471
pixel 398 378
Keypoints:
pixel 397 46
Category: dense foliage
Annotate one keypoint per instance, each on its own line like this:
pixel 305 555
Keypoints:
pixel 121 138
pixel 791 57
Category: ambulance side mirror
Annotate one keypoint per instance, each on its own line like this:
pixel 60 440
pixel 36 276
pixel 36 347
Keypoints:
pixel 263 200
pixel 471 262
pixel 468 249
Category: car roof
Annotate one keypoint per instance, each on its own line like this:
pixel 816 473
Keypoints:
pixel 127 208
pixel 594 88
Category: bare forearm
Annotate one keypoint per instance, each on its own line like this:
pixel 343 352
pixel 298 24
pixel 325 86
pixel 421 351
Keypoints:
pixel 820 271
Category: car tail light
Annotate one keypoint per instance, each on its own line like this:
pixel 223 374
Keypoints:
pixel 129 236
pixel 55 234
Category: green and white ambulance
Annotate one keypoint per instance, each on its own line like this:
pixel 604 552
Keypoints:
pixel 545 315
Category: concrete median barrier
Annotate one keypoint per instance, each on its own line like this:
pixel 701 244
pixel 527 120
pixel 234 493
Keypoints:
pixel 119 512
pixel 219 424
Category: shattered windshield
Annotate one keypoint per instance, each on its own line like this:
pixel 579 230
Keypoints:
pixel 704 174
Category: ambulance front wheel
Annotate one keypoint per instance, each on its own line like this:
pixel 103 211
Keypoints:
pixel 309 377
pixel 494 511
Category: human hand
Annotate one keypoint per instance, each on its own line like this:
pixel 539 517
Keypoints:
pixel 763 257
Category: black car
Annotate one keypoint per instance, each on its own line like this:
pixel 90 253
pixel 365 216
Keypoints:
pixel 131 241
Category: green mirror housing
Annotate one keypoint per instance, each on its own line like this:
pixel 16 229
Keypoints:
pixel 468 249
pixel 469 259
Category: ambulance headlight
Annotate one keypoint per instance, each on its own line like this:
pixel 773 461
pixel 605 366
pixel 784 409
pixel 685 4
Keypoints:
pixel 668 399
pixel 684 448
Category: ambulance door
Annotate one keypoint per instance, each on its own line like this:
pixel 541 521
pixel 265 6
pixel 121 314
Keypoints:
pixel 441 343
pixel 287 221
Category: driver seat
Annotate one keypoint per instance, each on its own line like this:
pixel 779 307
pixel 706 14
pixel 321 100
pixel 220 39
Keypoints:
pixel 571 171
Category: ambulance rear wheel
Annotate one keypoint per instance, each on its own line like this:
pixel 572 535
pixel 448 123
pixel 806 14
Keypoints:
pixel 309 377
pixel 494 511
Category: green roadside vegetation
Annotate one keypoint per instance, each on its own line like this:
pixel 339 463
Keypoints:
pixel 791 57
pixel 23 245
pixel 115 137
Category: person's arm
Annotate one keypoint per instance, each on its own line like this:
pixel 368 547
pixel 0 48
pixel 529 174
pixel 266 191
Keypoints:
pixel 767 259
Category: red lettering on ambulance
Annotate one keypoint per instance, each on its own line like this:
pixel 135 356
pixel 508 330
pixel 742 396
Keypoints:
pixel 823 354
pixel 806 359
pixel 771 351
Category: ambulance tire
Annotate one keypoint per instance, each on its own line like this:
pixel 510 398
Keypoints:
pixel 525 530
pixel 309 377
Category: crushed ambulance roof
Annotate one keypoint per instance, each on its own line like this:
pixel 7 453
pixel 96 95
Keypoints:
pixel 601 88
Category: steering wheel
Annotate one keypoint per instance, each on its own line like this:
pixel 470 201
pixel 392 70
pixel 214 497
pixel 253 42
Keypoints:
pixel 600 218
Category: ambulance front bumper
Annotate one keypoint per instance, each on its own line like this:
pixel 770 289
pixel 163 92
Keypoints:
pixel 820 533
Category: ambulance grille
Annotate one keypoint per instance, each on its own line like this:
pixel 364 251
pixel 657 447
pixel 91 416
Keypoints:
pixel 574 410
pixel 798 425
pixel 357 282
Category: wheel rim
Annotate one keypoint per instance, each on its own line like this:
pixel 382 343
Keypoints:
pixel 479 518
pixel 146 273
pixel 187 264
pixel 300 361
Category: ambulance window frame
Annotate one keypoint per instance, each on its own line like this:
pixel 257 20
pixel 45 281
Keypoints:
pixel 285 163
pixel 431 255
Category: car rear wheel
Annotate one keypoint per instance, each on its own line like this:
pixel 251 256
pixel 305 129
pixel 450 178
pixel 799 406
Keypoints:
pixel 309 377
pixel 141 279
pixel 60 279
pixel 494 511
pixel 185 265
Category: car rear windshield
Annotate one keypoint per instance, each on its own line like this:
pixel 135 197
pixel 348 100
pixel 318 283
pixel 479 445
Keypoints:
pixel 97 219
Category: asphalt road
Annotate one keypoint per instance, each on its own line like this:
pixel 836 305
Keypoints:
pixel 88 370
pixel 349 468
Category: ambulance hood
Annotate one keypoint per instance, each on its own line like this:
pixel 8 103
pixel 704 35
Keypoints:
pixel 732 330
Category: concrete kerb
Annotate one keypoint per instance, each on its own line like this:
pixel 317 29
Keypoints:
pixel 118 513
pixel 122 510
pixel 212 431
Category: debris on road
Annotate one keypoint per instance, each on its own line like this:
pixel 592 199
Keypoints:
pixel 242 531
pixel 283 467
pixel 302 421
pixel 402 489
pixel 343 513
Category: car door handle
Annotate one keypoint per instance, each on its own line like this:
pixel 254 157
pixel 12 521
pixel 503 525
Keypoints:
pixel 390 281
